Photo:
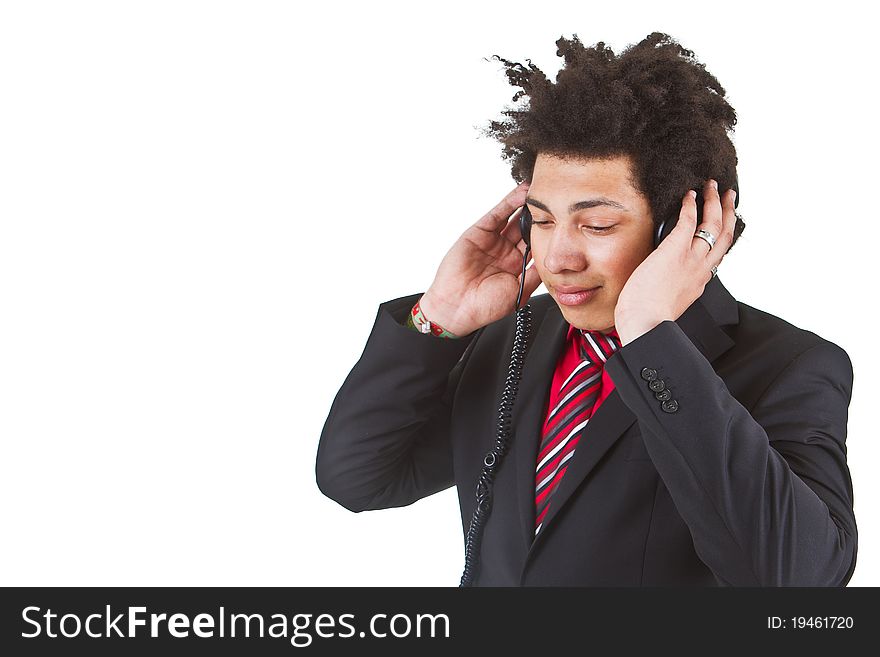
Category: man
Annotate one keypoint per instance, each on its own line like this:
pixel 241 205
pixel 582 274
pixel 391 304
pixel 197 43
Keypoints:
pixel 663 433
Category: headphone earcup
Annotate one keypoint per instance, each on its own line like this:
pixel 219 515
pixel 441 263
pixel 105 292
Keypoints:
pixel 666 227
pixel 735 187
pixel 525 226
pixel 659 234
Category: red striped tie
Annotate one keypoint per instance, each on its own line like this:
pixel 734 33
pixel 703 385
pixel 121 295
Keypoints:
pixel 565 422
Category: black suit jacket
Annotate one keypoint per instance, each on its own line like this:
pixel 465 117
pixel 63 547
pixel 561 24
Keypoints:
pixel 744 484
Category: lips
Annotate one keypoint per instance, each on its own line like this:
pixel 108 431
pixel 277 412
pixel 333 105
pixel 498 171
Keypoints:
pixel 577 298
pixel 568 289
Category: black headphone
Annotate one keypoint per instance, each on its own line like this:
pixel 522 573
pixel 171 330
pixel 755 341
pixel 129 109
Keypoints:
pixel 525 221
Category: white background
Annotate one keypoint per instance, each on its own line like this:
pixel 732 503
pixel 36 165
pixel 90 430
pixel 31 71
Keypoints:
pixel 204 203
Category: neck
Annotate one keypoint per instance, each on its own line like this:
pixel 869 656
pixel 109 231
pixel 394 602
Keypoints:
pixel 605 331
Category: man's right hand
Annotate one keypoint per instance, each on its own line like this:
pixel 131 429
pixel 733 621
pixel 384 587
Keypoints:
pixel 478 279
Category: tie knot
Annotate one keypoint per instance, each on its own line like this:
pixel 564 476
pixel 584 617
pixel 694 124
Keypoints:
pixel 597 346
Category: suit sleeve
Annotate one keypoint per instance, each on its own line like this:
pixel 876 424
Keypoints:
pixel 386 440
pixel 767 495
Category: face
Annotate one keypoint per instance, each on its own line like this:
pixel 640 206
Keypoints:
pixel 591 228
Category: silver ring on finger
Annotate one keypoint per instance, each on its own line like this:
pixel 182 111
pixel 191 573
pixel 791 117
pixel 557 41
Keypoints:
pixel 707 236
pixel 714 271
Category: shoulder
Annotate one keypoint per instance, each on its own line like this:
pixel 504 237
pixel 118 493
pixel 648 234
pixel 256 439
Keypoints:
pixel 788 352
pixel 494 340
pixel 539 305
pixel 777 338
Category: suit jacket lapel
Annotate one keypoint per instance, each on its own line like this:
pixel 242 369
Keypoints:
pixel 701 322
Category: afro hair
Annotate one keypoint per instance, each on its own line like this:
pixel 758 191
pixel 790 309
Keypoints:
pixel 654 103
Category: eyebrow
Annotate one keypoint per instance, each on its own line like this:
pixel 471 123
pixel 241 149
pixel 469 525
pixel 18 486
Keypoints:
pixel 580 205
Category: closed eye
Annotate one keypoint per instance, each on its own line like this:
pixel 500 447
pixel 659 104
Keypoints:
pixel 598 229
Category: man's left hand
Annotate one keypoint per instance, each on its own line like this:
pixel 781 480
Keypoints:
pixel 675 274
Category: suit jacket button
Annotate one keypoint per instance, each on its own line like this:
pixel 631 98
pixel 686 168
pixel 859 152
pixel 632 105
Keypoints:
pixel 649 374
pixel 657 385
pixel 663 395
pixel 669 406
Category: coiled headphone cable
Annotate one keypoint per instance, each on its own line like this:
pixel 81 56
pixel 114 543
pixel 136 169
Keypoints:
pixel 492 460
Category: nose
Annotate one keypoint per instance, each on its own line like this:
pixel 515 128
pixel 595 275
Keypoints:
pixel 563 253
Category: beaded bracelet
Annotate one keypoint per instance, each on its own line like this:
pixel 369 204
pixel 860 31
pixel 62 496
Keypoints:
pixel 418 322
